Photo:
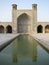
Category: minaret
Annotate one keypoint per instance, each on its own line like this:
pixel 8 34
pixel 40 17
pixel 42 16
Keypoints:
pixel 34 8
pixel 14 18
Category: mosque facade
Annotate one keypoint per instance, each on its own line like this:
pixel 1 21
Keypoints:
pixel 24 21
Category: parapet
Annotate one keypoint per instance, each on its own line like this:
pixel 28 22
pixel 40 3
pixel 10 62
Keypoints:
pixel 34 6
pixel 14 6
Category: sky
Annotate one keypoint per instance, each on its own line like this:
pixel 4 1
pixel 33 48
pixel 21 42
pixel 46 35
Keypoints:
pixel 42 9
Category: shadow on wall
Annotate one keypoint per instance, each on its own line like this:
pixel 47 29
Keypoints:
pixel 1 29
pixel 8 29
pixel 39 29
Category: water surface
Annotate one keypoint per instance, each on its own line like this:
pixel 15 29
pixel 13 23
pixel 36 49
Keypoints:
pixel 24 50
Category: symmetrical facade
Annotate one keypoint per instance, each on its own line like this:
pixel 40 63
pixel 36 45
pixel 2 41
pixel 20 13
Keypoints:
pixel 24 21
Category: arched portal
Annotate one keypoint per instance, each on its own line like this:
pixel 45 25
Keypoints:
pixel 9 29
pixel 39 29
pixel 1 29
pixel 47 29
pixel 23 25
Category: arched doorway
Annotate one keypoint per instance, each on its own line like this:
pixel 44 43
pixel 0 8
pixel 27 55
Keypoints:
pixel 47 29
pixel 1 29
pixel 9 29
pixel 23 23
pixel 39 29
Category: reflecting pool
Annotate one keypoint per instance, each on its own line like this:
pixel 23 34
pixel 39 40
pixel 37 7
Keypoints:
pixel 24 50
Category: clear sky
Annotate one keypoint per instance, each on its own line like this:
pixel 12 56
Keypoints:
pixel 42 8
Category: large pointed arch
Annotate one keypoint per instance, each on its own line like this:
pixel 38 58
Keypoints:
pixel 23 23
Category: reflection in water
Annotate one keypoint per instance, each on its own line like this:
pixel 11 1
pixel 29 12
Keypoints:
pixel 34 56
pixel 14 51
pixel 24 50
pixel 24 47
pixel 34 48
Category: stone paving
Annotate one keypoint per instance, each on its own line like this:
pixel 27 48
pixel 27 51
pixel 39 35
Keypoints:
pixel 5 37
pixel 43 39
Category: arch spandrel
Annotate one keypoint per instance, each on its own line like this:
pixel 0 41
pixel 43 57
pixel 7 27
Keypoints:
pixel 20 12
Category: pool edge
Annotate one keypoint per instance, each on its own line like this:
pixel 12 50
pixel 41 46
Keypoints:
pixel 7 42
pixel 45 46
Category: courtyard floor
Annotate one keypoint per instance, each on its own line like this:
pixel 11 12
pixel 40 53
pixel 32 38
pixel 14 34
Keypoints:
pixel 6 39
pixel 41 38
